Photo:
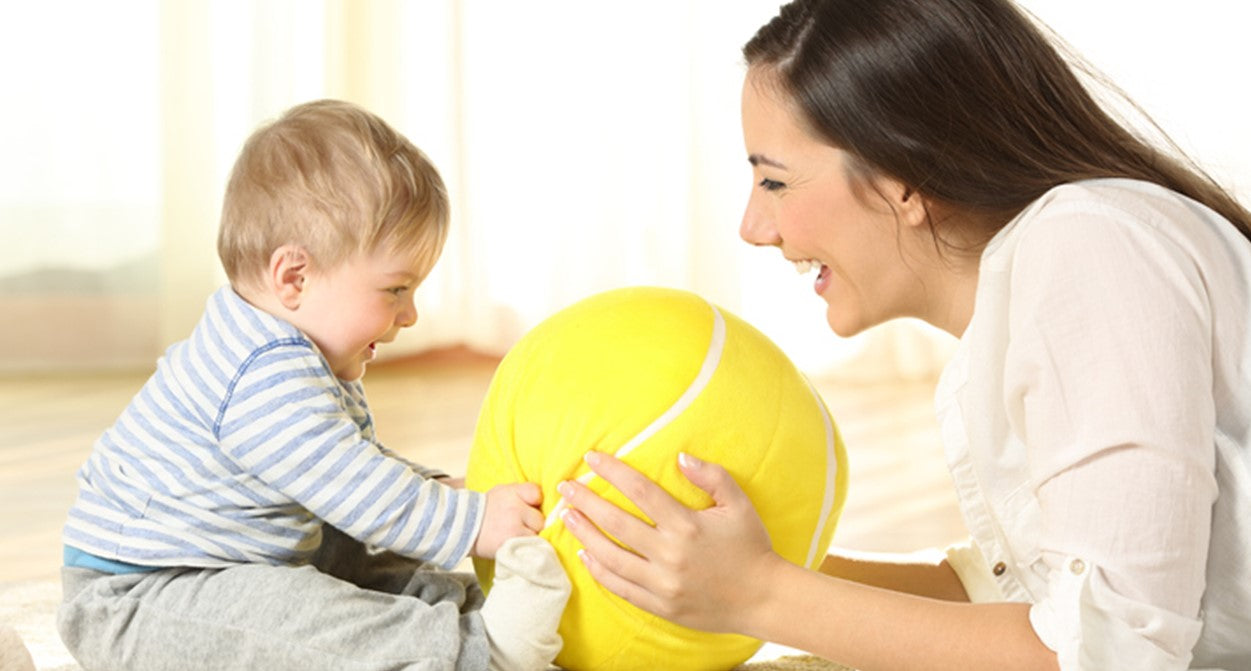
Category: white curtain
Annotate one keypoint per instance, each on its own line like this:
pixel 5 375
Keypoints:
pixel 586 146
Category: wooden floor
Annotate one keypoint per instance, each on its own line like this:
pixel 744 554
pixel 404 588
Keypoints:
pixel 899 498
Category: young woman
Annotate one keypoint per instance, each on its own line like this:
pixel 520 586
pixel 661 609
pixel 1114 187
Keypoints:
pixel 939 159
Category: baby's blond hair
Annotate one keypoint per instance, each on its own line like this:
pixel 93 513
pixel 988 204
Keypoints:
pixel 336 180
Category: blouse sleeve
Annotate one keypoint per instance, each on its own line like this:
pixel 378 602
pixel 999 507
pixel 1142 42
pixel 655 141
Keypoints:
pixel 1108 383
pixel 285 425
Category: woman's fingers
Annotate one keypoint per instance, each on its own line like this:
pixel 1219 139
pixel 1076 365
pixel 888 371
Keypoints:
pixel 650 497
pixel 611 565
pixel 715 480
pixel 617 523
pixel 686 568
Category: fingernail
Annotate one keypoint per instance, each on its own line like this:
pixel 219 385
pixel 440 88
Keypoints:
pixel 592 458
pixel 687 461
pixel 564 489
pixel 585 557
pixel 568 519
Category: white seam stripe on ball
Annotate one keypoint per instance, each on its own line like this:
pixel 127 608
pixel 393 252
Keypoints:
pixel 711 360
pixel 831 476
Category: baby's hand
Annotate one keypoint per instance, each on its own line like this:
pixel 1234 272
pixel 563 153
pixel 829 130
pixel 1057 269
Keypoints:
pixel 511 510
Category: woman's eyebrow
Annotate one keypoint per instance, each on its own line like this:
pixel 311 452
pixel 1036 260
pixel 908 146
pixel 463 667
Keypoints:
pixel 760 159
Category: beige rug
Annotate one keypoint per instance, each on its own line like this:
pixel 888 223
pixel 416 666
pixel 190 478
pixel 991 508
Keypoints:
pixel 29 609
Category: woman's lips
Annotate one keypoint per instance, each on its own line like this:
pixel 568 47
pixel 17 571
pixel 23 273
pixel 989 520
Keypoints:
pixel 823 280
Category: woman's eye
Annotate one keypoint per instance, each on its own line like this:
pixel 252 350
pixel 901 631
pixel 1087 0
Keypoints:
pixel 770 184
pixel 397 290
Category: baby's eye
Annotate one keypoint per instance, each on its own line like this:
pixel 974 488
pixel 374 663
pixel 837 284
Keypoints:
pixel 771 184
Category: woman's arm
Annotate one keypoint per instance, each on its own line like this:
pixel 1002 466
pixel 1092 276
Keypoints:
pixel 715 570
pixel 874 628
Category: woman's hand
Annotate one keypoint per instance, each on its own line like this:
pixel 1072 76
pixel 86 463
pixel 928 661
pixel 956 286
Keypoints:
pixel 715 570
pixel 703 569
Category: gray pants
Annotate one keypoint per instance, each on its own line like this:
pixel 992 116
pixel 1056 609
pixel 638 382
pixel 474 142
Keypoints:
pixel 351 610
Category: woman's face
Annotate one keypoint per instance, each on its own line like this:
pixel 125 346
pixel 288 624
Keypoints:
pixel 804 203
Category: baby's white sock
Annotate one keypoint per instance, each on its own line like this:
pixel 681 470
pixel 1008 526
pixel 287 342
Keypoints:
pixel 523 610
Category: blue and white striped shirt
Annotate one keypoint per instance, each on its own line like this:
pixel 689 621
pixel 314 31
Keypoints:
pixel 241 445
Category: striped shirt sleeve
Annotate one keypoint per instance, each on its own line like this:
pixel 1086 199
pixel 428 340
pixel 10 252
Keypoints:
pixel 424 471
pixel 283 421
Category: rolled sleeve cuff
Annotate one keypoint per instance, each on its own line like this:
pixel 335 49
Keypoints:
pixel 1090 626
pixel 970 565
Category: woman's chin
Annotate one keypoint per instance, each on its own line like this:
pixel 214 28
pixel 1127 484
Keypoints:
pixel 843 325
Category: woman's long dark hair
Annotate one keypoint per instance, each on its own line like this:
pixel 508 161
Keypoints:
pixel 965 101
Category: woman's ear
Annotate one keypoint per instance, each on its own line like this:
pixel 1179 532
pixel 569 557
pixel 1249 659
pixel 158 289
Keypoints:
pixel 288 270
pixel 909 205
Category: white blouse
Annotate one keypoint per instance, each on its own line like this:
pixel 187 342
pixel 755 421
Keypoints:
pixel 1097 423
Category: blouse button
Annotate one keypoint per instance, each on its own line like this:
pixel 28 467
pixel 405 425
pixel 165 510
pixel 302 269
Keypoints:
pixel 1000 568
pixel 1077 566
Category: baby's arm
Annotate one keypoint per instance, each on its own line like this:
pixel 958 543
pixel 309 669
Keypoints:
pixel 511 510
pixel 424 471
pixel 285 426
pixel 454 483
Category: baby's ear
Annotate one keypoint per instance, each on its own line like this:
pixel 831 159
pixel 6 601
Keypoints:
pixel 288 269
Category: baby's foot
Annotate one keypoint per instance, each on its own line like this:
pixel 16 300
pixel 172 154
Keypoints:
pixel 525 604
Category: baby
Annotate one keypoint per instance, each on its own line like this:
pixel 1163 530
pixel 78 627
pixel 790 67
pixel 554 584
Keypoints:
pixel 241 512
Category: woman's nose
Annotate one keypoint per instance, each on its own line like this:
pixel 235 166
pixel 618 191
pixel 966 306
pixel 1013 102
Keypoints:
pixel 757 227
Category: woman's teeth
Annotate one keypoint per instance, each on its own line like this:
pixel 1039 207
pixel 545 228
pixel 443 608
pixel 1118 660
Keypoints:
pixel 806 265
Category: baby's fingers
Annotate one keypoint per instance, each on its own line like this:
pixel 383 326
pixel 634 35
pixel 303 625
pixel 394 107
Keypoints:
pixel 532 519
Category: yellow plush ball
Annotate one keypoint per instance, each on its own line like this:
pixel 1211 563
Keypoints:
pixel 646 373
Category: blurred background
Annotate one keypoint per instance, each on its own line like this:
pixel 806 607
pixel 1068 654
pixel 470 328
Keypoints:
pixel 586 146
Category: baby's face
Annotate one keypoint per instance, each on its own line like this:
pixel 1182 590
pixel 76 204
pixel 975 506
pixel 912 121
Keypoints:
pixel 348 310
